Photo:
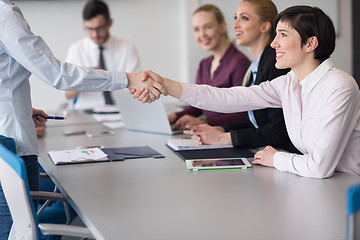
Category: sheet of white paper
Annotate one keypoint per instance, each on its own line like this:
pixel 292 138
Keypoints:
pixel 114 125
pixel 78 155
pixel 107 117
pixel 190 144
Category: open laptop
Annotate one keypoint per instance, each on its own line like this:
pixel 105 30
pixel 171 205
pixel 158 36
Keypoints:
pixel 143 117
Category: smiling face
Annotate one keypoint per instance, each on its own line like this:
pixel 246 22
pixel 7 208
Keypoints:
pixel 247 25
pixel 207 31
pixel 289 51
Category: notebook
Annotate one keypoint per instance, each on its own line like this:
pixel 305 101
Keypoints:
pixel 145 117
pixel 179 144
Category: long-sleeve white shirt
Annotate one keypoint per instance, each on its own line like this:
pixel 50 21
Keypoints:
pixel 23 53
pixel 322 116
pixel 119 55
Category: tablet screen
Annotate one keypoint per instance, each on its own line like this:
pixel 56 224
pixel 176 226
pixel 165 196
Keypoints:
pixel 218 162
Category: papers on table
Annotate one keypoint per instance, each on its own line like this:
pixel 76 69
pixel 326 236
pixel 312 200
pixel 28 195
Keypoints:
pixel 96 154
pixel 106 109
pixel 190 144
pixel 114 125
pixel 107 117
pixel 110 120
pixel 77 156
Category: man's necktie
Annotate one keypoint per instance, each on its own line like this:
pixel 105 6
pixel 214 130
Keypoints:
pixel 107 94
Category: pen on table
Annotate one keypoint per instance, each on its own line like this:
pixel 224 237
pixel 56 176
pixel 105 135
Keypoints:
pixel 55 117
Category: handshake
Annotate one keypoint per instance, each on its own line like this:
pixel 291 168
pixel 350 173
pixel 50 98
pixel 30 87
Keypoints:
pixel 148 86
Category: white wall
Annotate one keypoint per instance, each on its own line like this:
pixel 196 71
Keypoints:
pixel 151 25
pixel 160 29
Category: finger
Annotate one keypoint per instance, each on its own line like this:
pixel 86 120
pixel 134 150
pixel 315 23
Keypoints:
pixel 258 155
pixel 154 76
pixel 138 92
pixel 40 113
pixel 38 119
pixel 154 93
pixel 188 132
pixel 192 127
pixel 158 86
pixel 143 76
pixel 196 138
pixel 132 91
pixel 146 99
pixel 152 96
pixel 256 162
pixel 143 95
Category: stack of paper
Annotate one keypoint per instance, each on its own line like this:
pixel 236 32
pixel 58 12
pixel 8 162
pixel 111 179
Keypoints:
pixel 190 144
pixel 110 120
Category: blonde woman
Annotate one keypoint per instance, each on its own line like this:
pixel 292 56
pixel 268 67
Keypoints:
pixel 224 68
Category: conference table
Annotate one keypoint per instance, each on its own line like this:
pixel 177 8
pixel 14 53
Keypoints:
pixel 159 199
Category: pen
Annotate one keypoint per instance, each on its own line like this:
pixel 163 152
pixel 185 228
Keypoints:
pixel 55 117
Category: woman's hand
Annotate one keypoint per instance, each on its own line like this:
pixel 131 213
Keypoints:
pixel 206 134
pixel 265 157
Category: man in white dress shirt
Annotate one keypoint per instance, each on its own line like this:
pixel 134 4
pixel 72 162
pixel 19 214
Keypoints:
pixel 21 54
pixel 117 54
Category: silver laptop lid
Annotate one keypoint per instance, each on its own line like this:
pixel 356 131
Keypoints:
pixel 146 117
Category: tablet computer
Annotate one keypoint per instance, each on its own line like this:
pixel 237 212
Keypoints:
pixel 218 164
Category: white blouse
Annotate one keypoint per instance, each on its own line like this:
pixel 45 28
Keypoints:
pixel 322 116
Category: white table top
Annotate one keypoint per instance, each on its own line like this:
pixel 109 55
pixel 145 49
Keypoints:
pixel 159 199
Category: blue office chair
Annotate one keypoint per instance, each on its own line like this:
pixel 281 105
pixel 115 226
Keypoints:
pixel 25 223
pixel 353 213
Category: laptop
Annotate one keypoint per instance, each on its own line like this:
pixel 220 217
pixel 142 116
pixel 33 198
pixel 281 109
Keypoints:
pixel 145 117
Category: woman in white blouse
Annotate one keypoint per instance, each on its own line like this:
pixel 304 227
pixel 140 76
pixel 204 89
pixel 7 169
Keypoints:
pixel 321 104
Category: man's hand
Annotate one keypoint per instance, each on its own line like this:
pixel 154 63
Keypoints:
pixel 40 131
pixel 206 134
pixel 39 118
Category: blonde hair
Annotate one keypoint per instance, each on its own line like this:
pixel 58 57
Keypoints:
pixel 267 11
pixel 217 14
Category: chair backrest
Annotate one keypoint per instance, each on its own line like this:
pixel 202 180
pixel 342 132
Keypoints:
pixel 16 190
pixel 353 213
pixel 9 143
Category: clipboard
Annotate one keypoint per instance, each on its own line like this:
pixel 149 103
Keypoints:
pixel 132 152
pixel 94 155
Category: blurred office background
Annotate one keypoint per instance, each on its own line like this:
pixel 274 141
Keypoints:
pixel 162 33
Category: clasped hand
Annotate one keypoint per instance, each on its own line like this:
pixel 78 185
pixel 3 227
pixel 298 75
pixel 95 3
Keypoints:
pixel 149 86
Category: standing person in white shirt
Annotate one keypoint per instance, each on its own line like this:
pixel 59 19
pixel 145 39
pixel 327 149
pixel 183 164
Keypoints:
pixel 321 104
pixel 118 54
pixel 21 54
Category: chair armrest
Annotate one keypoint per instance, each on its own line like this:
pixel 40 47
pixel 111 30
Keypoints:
pixel 65 230
pixel 44 176
pixel 47 196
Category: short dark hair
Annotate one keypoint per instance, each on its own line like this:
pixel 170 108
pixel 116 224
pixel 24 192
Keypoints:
pixel 308 22
pixel 94 8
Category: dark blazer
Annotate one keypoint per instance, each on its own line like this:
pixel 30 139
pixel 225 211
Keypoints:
pixel 272 129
